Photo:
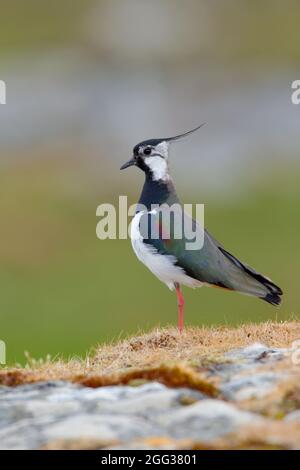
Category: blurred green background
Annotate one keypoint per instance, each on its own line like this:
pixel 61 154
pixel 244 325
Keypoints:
pixel 88 79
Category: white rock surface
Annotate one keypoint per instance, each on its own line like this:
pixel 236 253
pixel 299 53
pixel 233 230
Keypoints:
pixel 34 415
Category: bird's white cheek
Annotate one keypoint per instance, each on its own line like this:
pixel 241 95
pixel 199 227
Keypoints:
pixel 158 167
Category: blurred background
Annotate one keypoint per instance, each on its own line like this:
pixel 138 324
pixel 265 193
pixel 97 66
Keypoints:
pixel 88 79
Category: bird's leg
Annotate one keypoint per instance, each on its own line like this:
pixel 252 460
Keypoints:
pixel 180 301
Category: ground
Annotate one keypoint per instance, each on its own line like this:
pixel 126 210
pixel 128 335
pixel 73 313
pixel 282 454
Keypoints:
pixel 247 379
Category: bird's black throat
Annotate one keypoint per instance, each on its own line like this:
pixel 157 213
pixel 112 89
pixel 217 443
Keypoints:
pixel 156 192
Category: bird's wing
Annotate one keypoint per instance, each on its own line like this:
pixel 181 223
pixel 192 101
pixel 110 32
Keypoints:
pixel 163 235
pixel 211 264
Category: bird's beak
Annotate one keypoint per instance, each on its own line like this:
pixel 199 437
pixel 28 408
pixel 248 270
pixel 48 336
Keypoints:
pixel 130 162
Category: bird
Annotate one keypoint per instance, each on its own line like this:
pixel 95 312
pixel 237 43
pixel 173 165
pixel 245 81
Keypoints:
pixel 166 255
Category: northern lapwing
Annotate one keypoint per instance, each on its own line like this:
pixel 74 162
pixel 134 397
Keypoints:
pixel 167 256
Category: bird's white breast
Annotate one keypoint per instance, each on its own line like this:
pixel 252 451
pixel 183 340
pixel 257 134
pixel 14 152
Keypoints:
pixel 162 266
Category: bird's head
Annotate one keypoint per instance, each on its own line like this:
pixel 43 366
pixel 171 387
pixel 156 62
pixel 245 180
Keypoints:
pixel 151 155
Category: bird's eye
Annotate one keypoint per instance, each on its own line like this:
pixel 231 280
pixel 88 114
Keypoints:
pixel 147 151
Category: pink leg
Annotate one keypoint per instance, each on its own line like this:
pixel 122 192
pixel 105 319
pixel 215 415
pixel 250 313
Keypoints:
pixel 180 300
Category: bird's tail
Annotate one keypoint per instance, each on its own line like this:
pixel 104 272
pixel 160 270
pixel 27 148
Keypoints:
pixel 266 289
pixel 274 298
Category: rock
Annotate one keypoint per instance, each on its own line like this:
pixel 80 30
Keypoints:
pixel 292 416
pixel 102 426
pixel 206 420
pixel 151 415
pixel 257 352
pixel 35 415
pixel 242 387
pixel 241 378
